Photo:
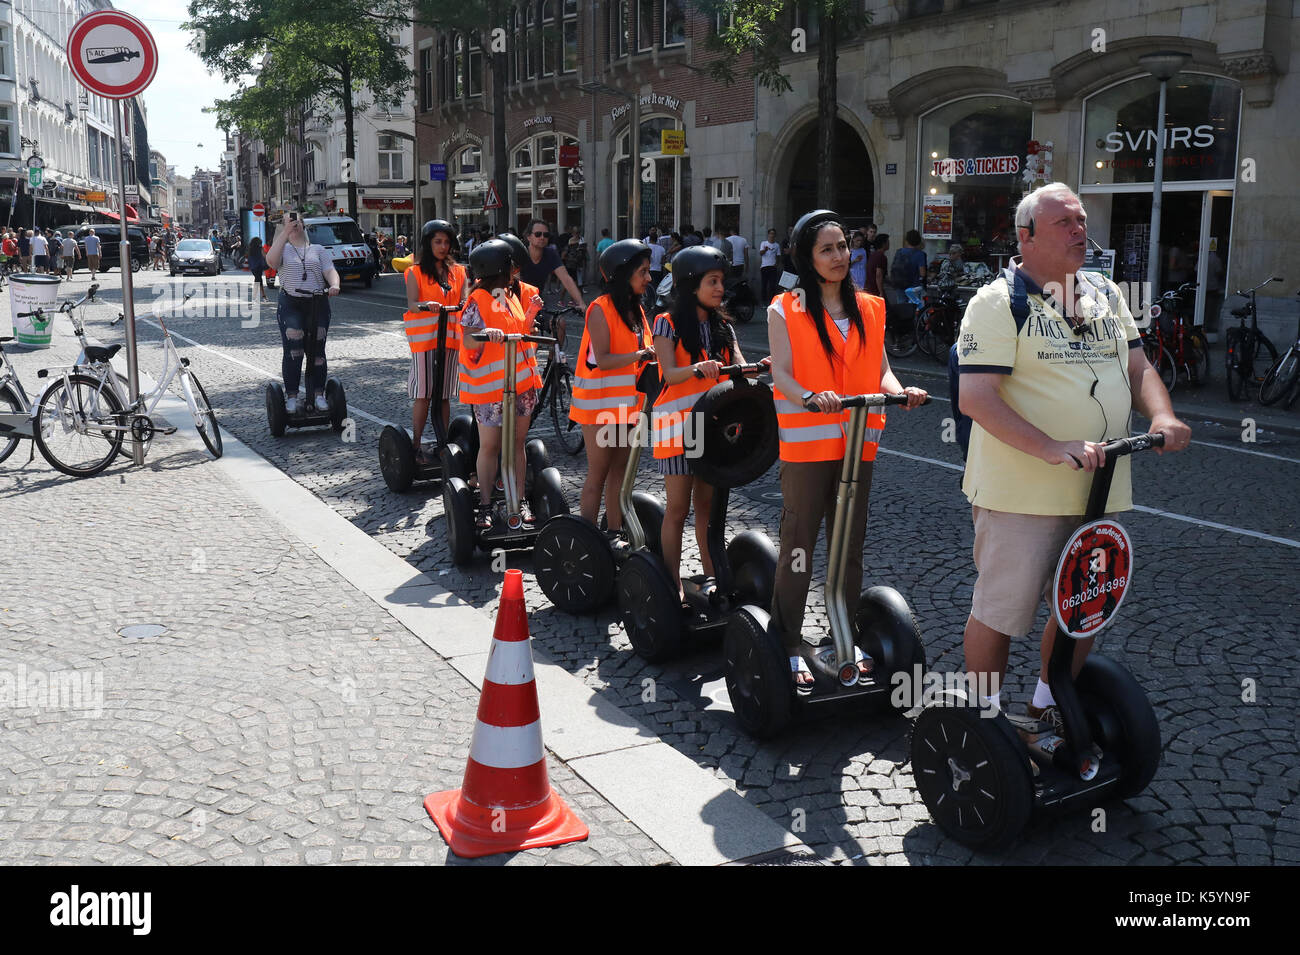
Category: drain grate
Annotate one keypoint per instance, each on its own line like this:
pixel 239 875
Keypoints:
pixel 142 631
pixel 800 855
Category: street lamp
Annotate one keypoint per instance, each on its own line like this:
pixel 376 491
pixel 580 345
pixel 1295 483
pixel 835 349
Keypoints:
pixel 1162 64
pixel 634 137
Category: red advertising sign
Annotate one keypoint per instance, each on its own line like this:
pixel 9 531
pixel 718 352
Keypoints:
pixel 112 53
pixel 568 156
pixel 388 203
pixel 1092 577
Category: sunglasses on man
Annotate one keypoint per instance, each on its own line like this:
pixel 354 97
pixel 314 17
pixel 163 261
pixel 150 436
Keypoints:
pixel 541 235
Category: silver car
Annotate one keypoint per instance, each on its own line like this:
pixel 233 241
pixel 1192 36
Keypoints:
pixel 195 255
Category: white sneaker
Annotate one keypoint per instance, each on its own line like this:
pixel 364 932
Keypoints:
pixel 291 404
pixel 322 403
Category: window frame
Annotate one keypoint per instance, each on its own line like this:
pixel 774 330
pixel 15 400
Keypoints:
pixel 663 25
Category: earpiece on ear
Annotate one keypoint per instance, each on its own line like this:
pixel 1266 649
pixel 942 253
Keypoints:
pixel 1031 228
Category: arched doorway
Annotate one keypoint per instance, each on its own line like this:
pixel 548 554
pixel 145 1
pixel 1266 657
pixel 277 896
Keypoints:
pixel 855 185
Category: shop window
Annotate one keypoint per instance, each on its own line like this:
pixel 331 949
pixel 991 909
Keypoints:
pixel 972 154
pixel 7 138
pixel 547 37
pixel 665 201
pixel 674 33
pixel 540 188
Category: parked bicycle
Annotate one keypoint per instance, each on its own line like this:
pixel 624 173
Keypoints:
pixel 1172 345
pixel 85 414
pixel 1249 352
pixel 938 318
pixel 557 379
pixel 1282 381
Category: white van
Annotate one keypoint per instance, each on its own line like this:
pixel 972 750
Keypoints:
pixel 342 238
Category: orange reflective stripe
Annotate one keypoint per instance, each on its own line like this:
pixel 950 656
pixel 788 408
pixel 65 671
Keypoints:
pixel 483 381
pixel 672 409
pixel 608 396
pixel 422 327
pixel 811 435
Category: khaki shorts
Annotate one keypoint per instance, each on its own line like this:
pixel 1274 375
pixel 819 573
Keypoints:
pixel 1016 557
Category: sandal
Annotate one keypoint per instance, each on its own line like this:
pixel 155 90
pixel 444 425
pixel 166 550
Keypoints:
pixel 799 667
pixel 425 459
pixel 484 519
pixel 866 666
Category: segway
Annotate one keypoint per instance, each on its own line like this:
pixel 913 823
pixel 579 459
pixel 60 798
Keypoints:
pixel 278 417
pixel 546 496
pixel 397 461
pixel 737 434
pixel 575 561
pixel 979 776
pixel 759 682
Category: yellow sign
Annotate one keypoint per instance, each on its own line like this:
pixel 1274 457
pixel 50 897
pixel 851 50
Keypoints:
pixel 672 142
pixel 95 196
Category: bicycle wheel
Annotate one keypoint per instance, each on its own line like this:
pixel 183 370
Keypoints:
pixel 567 431
pixel 9 404
pixel 205 419
pixel 925 337
pixel 1263 358
pixel 900 337
pixel 1278 380
pixel 1231 360
pixel 65 427
pixel 1161 362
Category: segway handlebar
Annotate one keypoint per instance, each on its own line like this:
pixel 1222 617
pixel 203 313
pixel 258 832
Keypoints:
pixel 1135 443
pixel 437 307
pixel 870 401
pixel 736 371
pixel 516 337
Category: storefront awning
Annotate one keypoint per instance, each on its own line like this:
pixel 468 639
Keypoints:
pixel 78 207
pixel 115 217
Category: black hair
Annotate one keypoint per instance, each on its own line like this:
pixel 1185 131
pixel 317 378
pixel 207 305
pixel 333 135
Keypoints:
pixel 604 232
pixel 683 310
pixel 882 241
pixel 912 237
pixel 528 229
pixel 619 289
pixel 490 283
pixel 255 243
pixel 429 264
pixel 810 282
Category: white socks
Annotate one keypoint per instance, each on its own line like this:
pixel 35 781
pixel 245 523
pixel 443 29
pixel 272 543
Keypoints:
pixel 1043 696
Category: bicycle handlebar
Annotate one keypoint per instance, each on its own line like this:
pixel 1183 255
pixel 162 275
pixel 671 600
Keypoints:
pixel 870 401
pixel 1274 278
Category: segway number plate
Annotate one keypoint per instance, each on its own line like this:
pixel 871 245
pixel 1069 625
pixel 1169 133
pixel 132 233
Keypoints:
pixel 1092 577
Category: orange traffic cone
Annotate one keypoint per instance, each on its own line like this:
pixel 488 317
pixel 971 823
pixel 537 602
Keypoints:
pixel 506 802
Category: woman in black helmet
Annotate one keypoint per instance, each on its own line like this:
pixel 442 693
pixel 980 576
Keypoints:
pixel 694 337
pixel 436 277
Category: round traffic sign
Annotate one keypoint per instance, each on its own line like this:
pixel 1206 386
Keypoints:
pixel 35 162
pixel 259 211
pixel 112 53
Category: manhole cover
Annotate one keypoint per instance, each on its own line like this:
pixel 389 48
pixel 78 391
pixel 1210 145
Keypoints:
pixel 142 631
pixel 799 855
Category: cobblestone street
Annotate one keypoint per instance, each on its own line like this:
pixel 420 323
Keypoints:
pixel 300 728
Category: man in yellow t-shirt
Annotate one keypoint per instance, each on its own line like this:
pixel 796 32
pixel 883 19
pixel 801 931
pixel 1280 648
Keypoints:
pixel 1051 365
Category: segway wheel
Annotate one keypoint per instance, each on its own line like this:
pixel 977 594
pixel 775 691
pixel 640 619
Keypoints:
pixel 276 417
pixel 455 463
pixel 547 496
pixel 752 557
pixel 396 459
pixel 462 430
pixel 458 505
pixel 1122 721
pixel 338 404
pixel 887 632
pixel 737 433
pixel 649 608
pixel 759 682
pixel 972 773
pixel 535 457
pixel 574 565
pixel 650 512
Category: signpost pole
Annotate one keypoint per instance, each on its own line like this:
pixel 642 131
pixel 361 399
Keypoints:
pixel 128 298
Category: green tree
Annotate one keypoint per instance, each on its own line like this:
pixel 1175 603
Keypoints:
pixel 288 55
pixel 766 31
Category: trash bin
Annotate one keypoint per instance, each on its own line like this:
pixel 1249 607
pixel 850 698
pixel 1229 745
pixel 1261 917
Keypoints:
pixel 27 293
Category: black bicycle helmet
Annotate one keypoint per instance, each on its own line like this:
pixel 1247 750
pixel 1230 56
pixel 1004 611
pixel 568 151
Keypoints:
pixel 804 234
pixel 517 248
pixel 434 226
pixel 620 254
pixel 490 259
pixel 690 265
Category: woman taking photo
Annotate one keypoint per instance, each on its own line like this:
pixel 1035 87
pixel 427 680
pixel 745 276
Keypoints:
pixel 491 308
pixel 615 345
pixel 692 342
pixel 435 278
pixel 827 340
pixel 306 270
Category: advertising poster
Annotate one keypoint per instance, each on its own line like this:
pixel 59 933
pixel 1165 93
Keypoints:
pixel 936 217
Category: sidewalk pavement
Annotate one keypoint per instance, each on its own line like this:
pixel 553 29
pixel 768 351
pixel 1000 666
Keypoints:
pixel 296 693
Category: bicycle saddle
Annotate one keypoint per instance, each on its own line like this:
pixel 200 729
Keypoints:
pixel 99 353
pixel 7 338
pixel 1240 312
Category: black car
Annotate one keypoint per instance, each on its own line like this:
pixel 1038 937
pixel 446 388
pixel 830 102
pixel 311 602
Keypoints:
pixel 109 240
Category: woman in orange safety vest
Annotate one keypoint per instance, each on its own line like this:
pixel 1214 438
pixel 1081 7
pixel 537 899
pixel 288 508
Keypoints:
pixel 491 308
pixel 827 340
pixel 435 278
pixel 695 336
pixel 615 347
